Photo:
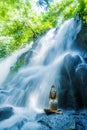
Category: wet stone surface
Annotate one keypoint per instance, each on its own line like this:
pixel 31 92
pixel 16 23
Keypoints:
pixel 69 120
pixel 66 121
pixel 5 113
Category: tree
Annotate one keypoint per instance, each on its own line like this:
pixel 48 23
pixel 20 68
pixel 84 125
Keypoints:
pixel 20 23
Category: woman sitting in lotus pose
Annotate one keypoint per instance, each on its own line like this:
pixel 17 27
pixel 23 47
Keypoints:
pixel 53 98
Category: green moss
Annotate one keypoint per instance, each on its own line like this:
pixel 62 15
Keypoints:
pixel 18 65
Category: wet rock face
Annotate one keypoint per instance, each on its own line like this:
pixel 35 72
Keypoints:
pixel 73 82
pixel 81 73
pixel 5 113
pixel 69 120
pixel 81 40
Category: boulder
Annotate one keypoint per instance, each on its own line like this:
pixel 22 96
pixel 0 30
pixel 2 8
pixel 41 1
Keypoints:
pixel 69 82
pixel 81 74
pixel 5 113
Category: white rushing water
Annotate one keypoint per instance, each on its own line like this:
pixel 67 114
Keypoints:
pixel 30 86
pixel 8 62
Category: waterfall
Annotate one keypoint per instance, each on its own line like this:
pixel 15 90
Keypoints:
pixel 32 83
pixel 30 86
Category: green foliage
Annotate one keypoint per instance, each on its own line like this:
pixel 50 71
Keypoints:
pixel 19 23
pixel 61 11
pixel 3 51
pixel 82 10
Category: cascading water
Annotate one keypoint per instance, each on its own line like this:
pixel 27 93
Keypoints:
pixel 30 86
pixel 9 62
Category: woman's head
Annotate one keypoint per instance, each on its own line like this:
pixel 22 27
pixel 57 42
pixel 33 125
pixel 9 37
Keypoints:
pixel 53 92
pixel 53 88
